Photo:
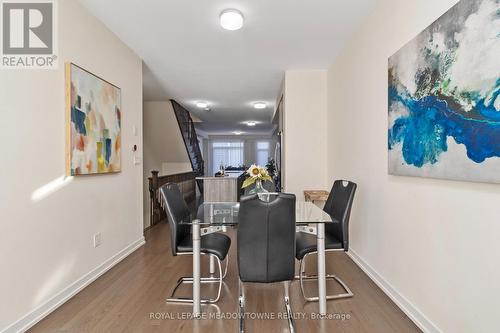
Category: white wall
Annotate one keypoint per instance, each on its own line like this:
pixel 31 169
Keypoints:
pixel 47 223
pixel 172 168
pixel 305 131
pixel 434 242
pixel 164 148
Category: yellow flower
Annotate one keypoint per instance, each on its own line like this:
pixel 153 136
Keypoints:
pixel 254 171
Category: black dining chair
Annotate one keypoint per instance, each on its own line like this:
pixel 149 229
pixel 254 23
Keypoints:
pixel 266 245
pixel 215 245
pixel 338 206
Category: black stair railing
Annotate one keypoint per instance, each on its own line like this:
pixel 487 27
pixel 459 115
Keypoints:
pixel 190 138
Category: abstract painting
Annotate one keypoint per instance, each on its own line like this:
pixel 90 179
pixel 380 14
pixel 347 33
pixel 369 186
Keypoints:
pixel 444 105
pixel 93 123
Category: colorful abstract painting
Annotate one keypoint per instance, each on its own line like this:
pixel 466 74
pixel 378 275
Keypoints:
pixel 94 123
pixel 444 105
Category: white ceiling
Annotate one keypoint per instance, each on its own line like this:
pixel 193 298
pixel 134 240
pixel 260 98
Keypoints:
pixel 189 57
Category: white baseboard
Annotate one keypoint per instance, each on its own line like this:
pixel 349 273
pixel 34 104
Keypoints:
pixel 33 317
pixel 404 304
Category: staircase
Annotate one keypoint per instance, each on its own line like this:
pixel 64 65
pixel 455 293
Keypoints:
pixel 190 140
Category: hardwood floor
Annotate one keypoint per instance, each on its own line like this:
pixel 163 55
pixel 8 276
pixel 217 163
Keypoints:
pixel 131 298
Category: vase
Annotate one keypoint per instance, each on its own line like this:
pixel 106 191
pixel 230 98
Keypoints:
pixel 258 189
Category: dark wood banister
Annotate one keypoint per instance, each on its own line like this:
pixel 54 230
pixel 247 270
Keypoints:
pixel 188 132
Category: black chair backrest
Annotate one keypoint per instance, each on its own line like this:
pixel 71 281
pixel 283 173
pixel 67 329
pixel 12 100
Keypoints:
pixel 177 211
pixel 266 239
pixel 339 205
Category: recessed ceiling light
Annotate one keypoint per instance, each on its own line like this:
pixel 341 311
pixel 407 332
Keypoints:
pixel 202 105
pixel 260 105
pixel 231 19
pixel 237 133
pixel 251 123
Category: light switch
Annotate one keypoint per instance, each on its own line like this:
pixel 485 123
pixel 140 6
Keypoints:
pixel 137 160
pixel 134 130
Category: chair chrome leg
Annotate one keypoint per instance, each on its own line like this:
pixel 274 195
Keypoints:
pixel 303 277
pixel 227 264
pixel 241 302
pixel 241 307
pixel 288 307
pixel 220 280
pixel 189 280
pixel 302 268
pixel 211 270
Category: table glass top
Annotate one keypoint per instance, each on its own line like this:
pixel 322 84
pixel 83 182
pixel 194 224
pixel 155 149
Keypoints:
pixel 226 213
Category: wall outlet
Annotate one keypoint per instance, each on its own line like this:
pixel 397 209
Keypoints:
pixel 97 239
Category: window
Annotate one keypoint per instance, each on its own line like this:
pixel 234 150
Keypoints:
pixel 229 153
pixel 263 152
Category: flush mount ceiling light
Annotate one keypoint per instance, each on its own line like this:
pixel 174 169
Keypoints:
pixel 259 105
pixel 231 19
pixel 202 105
pixel 251 123
pixel 237 133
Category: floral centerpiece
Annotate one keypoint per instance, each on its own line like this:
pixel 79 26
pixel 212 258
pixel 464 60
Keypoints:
pixel 256 175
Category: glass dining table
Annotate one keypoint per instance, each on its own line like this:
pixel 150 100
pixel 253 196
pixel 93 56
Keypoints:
pixel 218 216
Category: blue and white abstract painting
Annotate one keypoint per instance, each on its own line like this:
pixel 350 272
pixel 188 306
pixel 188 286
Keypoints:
pixel 444 104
